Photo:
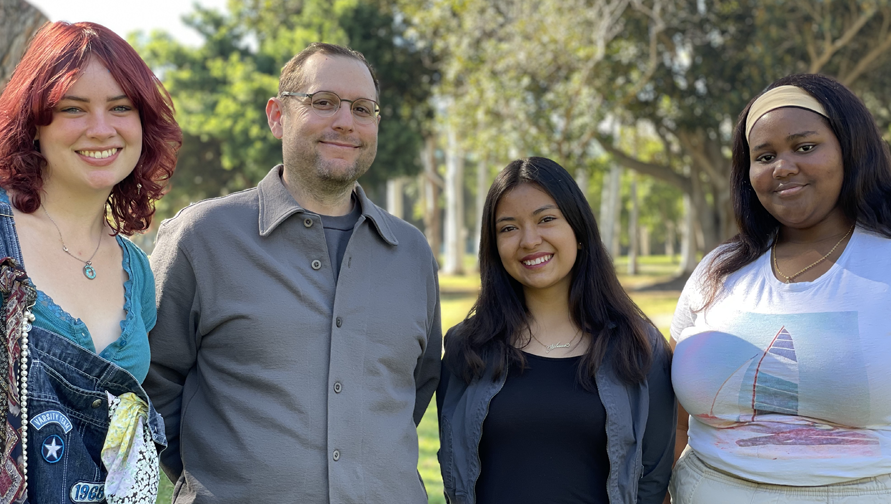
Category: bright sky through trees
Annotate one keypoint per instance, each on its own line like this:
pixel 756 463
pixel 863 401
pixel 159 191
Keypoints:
pixel 126 16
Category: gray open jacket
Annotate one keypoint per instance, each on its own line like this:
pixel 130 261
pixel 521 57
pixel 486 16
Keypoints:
pixel 640 429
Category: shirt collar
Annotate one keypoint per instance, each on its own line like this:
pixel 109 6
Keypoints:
pixel 277 204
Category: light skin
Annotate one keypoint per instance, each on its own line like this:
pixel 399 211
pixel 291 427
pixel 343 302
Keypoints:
pixel 92 143
pixel 796 171
pixel 538 249
pixel 324 156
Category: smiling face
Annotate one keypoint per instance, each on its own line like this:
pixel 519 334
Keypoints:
pixel 95 138
pixel 796 167
pixel 536 244
pixel 333 150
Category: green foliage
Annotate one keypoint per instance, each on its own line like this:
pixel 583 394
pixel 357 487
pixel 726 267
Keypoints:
pixel 220 88
pixel 553 77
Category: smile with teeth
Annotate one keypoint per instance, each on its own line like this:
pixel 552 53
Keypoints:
pixel 540 260
pixel 99 154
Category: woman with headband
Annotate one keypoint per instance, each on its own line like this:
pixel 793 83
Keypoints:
pixel 782 334
pixel 87 142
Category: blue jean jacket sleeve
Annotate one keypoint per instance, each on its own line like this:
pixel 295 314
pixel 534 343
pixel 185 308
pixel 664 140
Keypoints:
pixel 658 441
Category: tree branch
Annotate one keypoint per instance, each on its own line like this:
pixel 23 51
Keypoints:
pixel 863 65
pixel 696 149
pixel 658 26
pixel 661 172
pixel 830 48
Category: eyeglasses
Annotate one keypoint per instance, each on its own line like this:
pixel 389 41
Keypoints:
pixel 327 103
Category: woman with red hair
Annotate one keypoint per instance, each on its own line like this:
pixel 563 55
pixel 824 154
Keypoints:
pixel 88 141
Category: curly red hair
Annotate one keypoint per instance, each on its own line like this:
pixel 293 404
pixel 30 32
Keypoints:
pixel 55 58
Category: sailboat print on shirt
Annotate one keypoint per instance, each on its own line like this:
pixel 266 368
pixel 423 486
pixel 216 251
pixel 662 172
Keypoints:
pixel 765 383
pixel 768 384
pixel 775 380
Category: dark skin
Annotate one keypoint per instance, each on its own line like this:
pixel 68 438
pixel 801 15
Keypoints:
pixel 796 171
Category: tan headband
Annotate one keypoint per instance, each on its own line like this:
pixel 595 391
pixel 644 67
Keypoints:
pixel 778 97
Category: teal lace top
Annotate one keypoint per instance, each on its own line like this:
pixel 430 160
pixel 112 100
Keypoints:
pixel 131 350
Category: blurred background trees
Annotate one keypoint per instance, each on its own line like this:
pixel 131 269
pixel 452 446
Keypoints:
pixel 221 87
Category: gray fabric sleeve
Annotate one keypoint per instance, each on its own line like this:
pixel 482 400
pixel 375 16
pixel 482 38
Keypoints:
pixel 173 340
pixel 427 369
pixel 658 440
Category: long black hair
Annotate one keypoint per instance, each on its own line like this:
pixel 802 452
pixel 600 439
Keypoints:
pixel 598 303
pixel 865 196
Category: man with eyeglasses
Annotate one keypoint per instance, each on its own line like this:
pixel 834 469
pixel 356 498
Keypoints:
pixel 298 337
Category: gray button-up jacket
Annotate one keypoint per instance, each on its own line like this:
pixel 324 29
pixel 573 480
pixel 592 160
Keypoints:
pixel 640 429
pixel 278 385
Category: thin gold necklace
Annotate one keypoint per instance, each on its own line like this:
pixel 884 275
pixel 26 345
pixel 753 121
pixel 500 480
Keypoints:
pixel 554 346
pixel 789 279
pixel 89 270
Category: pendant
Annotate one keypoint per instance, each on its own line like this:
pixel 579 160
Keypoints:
pixel 89 272
pixel 554 346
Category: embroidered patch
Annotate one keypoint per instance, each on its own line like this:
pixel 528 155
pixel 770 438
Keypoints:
pixel 53 449
pixel 84 491
pixel 52 416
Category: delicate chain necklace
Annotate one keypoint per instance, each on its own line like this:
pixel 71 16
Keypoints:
pixel 818 261
pixel 89 271
pixel 554 346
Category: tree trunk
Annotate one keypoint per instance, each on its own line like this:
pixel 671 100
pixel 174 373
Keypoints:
pixel 581 178
pixel 632 228
pixel 670 237
pixel 688 238
pixel 19 20
pixel 645 241
pixel 616 189
pixel 431 184
pixel 609 208
pixel 482 187
pixel 395 195
pixel 454 188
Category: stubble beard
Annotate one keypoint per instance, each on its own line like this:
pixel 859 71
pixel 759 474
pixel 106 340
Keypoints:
pixel 327 178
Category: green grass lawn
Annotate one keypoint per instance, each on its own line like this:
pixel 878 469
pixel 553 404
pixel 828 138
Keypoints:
pixel 457 295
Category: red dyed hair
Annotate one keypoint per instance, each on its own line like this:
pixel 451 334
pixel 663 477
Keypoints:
pixel 55 58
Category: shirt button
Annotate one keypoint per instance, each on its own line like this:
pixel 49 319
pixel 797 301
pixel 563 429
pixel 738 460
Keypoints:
pixel 97 403
pixel 336 455
pixel 307 222
pixel 337 387
pixel 316 264
pixel 338 321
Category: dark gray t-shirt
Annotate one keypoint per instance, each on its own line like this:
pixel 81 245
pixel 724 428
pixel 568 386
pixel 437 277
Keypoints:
pixel 337 234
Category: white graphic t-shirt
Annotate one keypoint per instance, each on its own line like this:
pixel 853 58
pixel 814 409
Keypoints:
pixel 790 384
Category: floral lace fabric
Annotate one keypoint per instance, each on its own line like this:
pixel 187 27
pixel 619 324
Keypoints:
pixel 129 453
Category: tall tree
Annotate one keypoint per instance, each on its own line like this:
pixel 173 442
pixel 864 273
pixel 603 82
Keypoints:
pixel 547 76
pixel 220 88
pixel 715 57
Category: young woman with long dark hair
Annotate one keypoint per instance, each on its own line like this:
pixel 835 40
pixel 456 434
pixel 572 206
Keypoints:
pixel 782 334
pixel 555 388
pixel 87 142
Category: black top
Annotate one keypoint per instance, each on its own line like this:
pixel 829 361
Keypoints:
pixel 544 438
pixel 338 231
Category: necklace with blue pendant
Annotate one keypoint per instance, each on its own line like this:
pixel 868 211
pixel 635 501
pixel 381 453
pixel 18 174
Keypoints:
pixel 89 270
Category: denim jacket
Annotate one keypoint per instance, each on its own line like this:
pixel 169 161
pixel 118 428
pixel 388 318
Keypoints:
pixel 68 406
pixel 640 429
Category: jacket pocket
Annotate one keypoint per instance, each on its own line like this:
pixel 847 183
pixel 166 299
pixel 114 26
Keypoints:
pixel 66 430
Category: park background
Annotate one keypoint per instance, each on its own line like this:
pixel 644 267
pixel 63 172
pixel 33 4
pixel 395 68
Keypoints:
pixel 636 98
